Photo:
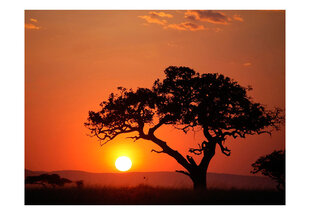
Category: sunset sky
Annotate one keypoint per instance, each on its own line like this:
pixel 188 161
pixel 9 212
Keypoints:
pixel 75 59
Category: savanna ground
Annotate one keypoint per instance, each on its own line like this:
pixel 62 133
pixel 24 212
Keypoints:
pixel 147 195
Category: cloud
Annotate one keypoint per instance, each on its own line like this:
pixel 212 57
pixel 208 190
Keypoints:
pixel 33 20
pixel 195 20
pixel 157 18
pixel 153 20
pixel 247 64
pixel 160 14
pixel 238 18
pixel 32 26
pixel 186 26
pixel 207 16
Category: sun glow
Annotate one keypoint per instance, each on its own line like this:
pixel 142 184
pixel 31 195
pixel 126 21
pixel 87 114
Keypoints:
pixel 123 163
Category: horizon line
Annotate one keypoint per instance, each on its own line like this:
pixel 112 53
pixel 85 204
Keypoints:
pixel 132 172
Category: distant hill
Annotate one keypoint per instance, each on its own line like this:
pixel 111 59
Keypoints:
pixel 162 179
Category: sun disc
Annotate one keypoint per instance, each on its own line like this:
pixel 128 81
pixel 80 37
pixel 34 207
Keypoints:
pixel 123 163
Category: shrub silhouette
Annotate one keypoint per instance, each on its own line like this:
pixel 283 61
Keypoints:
pixel 186 100
pixel 45 179
pixel 79 184
pixel 273 166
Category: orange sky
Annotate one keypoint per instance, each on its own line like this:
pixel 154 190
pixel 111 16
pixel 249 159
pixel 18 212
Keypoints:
pixel 75 59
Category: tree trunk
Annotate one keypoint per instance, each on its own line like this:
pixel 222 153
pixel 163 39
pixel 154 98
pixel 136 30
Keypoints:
pixel 199 179
pixel 198 174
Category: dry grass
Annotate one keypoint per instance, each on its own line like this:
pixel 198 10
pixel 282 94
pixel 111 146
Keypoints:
pixel 147 195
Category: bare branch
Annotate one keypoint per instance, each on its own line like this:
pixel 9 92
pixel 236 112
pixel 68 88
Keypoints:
pixel 185 129
pixel 183 172
pixel 173 153
pixel 236 133
pixel 155 127
pixel 195 151
pixel 264 132
pixel 224 150
pixel 135 138
pixel 109 135
pixel 153 150
pixel 207 133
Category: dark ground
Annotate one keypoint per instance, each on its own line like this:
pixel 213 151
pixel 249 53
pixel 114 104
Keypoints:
pixel 146 195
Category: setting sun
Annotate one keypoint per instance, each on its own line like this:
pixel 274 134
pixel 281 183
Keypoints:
pixel 123 163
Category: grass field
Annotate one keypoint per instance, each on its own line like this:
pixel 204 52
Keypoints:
pixel 147 195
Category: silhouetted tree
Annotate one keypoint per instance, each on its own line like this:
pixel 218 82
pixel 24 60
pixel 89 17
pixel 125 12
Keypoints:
pixel 44 179
pixel 273 166
pixel 184 99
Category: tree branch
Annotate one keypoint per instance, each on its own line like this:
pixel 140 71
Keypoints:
pixel 264 132
pixel 224 150
pixel 109 135
pixel 207 134
pixel 153 150
pixel 154 128
pixel 183 172
pixel 236 133
pixel 184 129
pixel 135 138
pixel 191 160
pixel 195 151
pixel 208 153
pixel 173 153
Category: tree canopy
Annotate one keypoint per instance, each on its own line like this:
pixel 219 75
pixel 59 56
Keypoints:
pixel 184 99
pixel 273 166
pixel 215 102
